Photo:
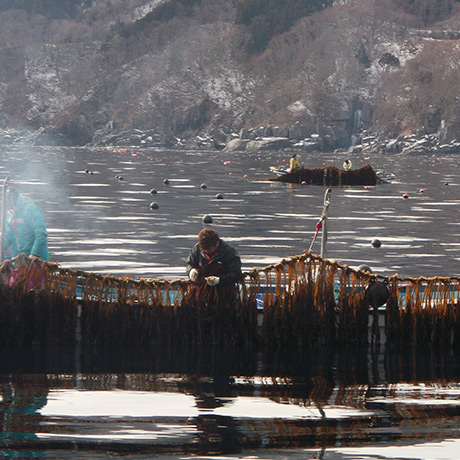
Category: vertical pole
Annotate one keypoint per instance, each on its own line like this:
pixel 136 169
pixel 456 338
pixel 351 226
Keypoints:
pixel 78 338
pixel 324 216
pixel 3 217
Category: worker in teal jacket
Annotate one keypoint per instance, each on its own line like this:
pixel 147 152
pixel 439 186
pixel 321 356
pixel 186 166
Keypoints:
pixel 26 230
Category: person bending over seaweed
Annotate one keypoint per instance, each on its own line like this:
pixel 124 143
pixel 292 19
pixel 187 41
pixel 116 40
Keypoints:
pixel 213 260
pixel 26 230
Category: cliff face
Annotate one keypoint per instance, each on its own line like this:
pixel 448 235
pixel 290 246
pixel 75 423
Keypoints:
pixel 178 69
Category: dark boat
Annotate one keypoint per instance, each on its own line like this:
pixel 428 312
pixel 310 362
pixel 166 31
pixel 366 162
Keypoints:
pixel 329 176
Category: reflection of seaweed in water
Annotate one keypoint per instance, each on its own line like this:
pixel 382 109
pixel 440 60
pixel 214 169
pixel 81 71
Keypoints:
pixel 293 378
pixel 320 382
pixel 22 398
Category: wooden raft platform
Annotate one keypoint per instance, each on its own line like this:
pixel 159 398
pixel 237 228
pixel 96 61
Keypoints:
pixel 302 302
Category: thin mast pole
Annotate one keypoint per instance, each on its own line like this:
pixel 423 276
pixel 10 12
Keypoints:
pixel 324 217
pixel 3 217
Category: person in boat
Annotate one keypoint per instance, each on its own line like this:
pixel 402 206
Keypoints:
pixel 213 260
pixel 347 165
pixel 25 227
pixel 294 162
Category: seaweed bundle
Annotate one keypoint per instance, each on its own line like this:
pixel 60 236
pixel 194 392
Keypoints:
pixel 302 302
pixel 331 176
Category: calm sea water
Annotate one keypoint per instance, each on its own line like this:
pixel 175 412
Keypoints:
pixel 194 403
pixel 98 222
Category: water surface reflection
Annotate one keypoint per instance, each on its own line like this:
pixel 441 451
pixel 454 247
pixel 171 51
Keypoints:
pixel 211 402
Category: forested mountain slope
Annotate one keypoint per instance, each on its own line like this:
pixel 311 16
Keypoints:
pixel 86 71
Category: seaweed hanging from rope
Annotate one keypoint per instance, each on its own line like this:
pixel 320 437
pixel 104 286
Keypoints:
pixel 32 316
pixel 308 302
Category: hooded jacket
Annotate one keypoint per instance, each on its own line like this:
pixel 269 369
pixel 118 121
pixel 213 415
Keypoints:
pixel 225 263
pixel 26 231
pixel 294 163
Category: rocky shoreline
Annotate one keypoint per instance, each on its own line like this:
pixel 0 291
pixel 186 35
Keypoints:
pixel 247 140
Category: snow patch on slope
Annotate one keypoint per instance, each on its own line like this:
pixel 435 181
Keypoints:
pixel 144 10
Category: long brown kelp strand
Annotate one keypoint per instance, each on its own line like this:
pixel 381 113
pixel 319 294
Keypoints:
pixel 34 313
pixel 302 302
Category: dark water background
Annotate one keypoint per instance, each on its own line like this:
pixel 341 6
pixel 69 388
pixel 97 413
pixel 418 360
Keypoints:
pixel 333 404
pixel 100 223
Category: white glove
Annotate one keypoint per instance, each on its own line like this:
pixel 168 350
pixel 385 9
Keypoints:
pixel 212 280
pixel 193 274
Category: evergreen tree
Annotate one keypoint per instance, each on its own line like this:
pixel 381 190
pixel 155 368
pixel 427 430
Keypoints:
pixel 430 11
pixel 268 18
pixel 49 8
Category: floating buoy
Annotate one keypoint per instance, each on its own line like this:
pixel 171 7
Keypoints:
pixel 154 205
pixel 303 183
pixel 422 190
pixel 203 185
pixel 219 196
pixel 87 171
pixel 120 178
pixel 245 176
pixel 207 219
pixel 447 183
pixel 230 174
pixel 377 294
pixel 227 162
pixel 366 187
pixel 376 243
pixel 405 196
pixel 153 192
pixel 166 181
pixel 365 268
